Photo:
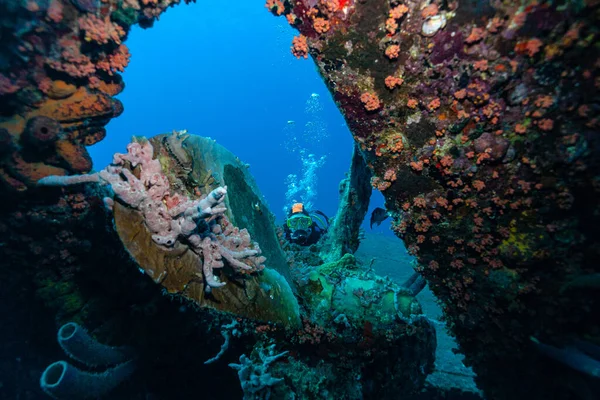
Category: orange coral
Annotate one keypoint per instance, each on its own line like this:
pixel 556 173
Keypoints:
pixel 291 18
pixel 115 62
pixel 330 6
pixel 546 124
pixel 60 89
pixel 391 25
pixel 420 202
pixel 495 24
pixel 434 104
pixel 544 101
pixel 300 46
pixel 520 128
pixel 370 101
pixel 460 94
pixel 109 88
pixel 392 81
pixel 390 175
pixel 321 25
pixel 82 104
pixel 100 30
pixel 275 6
pixel 446 161
pixel 392 52
pixel 481 65
pixel 417 165
pixel 475 36
pixel 93 138
pixel 530 47
pixel 478 185
pixel 412 103
pixel 429 11
pixel 75 155
pixel 29 172
pixel 398 11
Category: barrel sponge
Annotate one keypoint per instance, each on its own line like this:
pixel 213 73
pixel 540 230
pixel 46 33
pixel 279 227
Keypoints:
pixel 42 131
pixel 80 346
pixel 61 380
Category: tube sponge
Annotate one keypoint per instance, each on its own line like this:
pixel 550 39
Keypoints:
pixel 80 346
pixel 61 380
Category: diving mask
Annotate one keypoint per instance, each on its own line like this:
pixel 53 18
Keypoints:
pixel 299 222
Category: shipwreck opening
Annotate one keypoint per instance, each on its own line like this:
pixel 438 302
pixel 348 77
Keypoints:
pixel 201 70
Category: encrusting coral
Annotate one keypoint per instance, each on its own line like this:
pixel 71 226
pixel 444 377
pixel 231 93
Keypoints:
pixel 487 155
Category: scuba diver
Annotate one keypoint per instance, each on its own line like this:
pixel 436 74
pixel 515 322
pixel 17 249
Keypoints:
pixel 303 227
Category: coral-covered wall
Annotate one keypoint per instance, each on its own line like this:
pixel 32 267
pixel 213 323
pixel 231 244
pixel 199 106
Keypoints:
pixel 59 73
pixel 480 122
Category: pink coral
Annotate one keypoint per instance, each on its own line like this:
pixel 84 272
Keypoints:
pixel 8 84
pixel 71 60
pixel 218 240
pixel 380 184
pixel 115 62
pixel 390 175
pixel 101 31
pixel 55 11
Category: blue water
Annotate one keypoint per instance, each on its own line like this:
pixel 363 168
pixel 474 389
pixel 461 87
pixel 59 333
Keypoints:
pixel 239 84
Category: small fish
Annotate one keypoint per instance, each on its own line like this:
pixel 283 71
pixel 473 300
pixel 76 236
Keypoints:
pixel 378 216
pixel 257 208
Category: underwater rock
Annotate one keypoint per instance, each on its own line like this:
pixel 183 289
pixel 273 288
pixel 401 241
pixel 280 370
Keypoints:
pixel 61 59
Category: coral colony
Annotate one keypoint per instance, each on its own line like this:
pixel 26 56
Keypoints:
pixel 171 217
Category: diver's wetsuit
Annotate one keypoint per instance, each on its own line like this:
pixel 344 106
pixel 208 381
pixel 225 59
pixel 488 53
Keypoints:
pixel 297 229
